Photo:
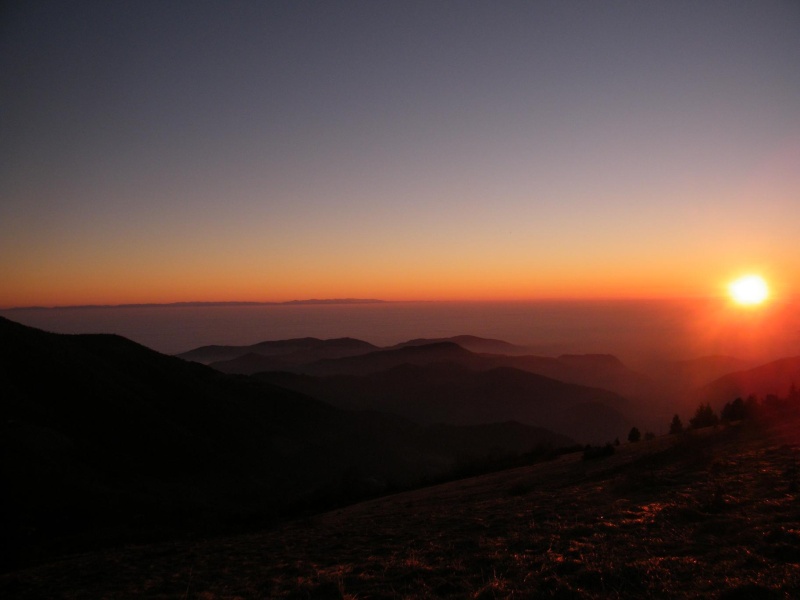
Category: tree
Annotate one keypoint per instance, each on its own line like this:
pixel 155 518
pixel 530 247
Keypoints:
pixel 703 417
pixel 676 427
pixel 635 435
pixel 733 411
pixel 794 395
pixel 752 407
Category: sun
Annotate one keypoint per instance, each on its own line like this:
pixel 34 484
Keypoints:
pixel 749 290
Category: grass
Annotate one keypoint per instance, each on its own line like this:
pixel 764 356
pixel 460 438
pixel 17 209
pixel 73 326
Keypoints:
pixel 711 514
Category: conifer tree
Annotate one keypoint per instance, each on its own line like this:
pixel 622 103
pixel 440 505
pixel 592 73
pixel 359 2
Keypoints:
pixel 703 417
pixel 676 426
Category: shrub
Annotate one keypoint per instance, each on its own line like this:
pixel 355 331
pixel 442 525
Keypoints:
pixel 635 435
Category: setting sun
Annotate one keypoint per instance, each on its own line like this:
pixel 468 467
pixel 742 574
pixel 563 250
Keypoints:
pixel 749 290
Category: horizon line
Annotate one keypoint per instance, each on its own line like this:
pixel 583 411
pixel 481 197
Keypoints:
pixel 201 303
pixel 343 301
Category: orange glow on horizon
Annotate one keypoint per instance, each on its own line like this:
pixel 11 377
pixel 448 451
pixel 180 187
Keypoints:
pixel 100 295
pixel 259 281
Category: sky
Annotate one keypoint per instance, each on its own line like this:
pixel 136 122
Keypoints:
pixel 268 151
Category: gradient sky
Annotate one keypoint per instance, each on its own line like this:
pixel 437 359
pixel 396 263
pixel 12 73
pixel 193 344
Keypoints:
pixel 179 151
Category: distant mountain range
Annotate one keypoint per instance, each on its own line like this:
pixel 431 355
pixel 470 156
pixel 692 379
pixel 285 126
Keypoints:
pixel 313 356
pixel 205 304
pixel 471 343
pixel 104 439
pixel 452 393
pixel 355 374
pixel 592 388
pixel 277 354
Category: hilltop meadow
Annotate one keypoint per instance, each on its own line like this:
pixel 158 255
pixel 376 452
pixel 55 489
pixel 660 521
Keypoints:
pixel 710 513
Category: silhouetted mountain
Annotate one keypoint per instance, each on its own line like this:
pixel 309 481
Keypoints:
pixel 593 370
pixel 679 377
pixel 253 363
pixel 99 431
pixel 590 370
pixel 452 393
pixel 288 352
pixel 471 343
pixel 382 360
pixel 418 394
pixel 700 371
pixel 103 439
pixel 312 356
pixel 776 378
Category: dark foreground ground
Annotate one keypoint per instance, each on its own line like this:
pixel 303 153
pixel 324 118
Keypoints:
pixel 713 514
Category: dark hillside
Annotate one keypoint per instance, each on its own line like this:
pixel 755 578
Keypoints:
pixel 381 360
pixel 103 440
pixel 101 434
pixel 591 370
pixel 773 378
pixel 694 373
pixel 714 514
pixel 455 394
pixel 675 382
pixel 294 351
pixel 595 370
pixel 352 357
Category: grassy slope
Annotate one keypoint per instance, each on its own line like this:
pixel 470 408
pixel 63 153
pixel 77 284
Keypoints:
pixel 714 514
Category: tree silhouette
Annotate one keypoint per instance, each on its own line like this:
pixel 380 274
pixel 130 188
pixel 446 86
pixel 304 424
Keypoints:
pixel 676 426
pixel 794 395
pixel 733 411
pixel 703 417
pixel 635 435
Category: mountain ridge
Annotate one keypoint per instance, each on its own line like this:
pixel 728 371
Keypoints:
pixel 315 348
pixel 776 377
pixel 104 439
pixel 453 393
